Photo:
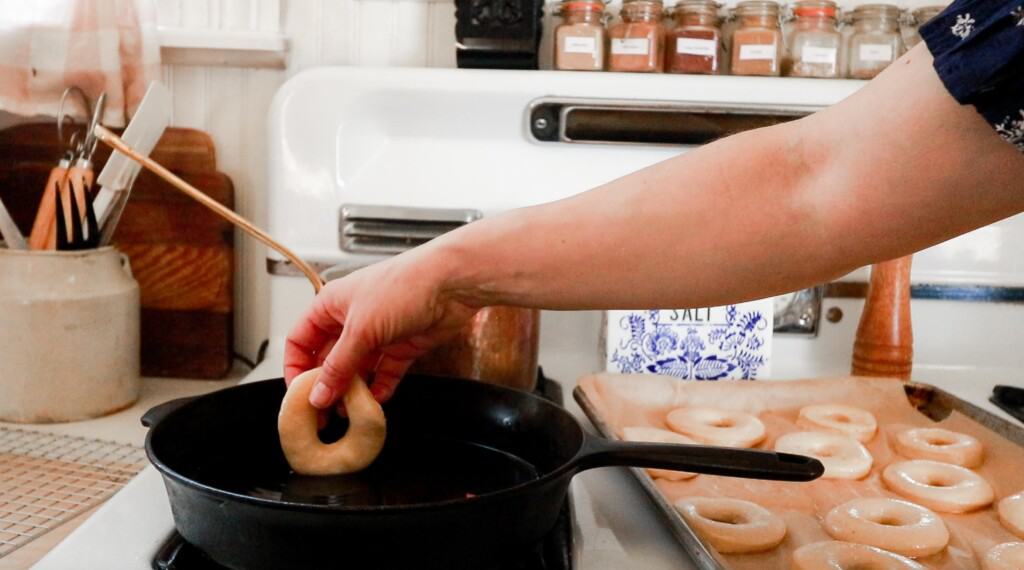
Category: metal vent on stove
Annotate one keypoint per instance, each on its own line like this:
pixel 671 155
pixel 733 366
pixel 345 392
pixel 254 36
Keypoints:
pixel 393 229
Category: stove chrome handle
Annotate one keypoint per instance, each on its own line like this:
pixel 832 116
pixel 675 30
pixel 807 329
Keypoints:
pixel 614 121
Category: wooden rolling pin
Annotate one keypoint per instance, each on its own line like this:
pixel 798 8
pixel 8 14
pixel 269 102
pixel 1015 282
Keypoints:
pixel 885 341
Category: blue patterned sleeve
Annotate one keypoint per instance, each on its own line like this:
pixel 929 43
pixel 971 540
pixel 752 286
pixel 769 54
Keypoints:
pixel 978 46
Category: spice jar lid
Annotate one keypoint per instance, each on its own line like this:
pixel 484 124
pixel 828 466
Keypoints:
pixel 581 5
pixel 883 11
pixel 815 9
pixel 641 2
pixel 709 7
pixel 757 8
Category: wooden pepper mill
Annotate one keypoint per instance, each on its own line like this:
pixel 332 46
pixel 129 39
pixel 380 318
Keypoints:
pixel 885 342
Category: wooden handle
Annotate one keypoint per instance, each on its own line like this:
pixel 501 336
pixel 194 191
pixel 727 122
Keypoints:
pixel 885 341
pixel 44 228
pixel 119 145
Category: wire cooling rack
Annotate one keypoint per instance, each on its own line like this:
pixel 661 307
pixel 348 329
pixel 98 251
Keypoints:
pixel 48 479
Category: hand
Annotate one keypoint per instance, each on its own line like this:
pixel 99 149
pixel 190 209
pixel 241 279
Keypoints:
pixel 375 322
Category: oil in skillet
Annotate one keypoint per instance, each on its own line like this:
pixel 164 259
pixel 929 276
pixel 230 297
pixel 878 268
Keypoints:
pixel 418 470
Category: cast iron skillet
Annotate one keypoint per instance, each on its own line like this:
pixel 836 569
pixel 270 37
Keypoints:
pixel 470 471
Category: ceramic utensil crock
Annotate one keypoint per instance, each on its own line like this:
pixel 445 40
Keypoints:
pixel 69 335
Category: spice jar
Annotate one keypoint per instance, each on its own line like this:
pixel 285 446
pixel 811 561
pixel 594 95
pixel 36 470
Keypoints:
pixel 695 44
pixel 637 41
pixel 814 43
pixel 580 38
pixel 757 41
pixel 876 40
pixel 920 17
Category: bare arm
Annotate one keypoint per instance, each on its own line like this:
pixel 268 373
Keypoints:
pixel 894 168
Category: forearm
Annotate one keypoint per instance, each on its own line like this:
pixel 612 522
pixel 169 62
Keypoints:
pixel 897 167
pixel 721 223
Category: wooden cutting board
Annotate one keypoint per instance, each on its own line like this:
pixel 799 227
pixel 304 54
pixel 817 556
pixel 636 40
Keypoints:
pixel 181 254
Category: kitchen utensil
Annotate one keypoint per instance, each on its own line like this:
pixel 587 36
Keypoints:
pixel 499 345
pixel 469 471
pixel 43 228
pixel 1010 399
pixel 117 176
pixel 248 227
pixel 885 342
pixel 69 335
pixel 44 233
pixel 80 175
pixel 934 403
pixel 75 238
pixel 9 230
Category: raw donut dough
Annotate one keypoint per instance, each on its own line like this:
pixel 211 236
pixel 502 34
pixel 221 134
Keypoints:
pixel 939 444
pixel 717 427
pixel 657 435
pixel 836 555
pixel 1005 556
pixel 836 418
pixel 1011 513
pixel 889 524
pixel 297 427
pixel 939 486
pixel 842 456
pixel 733 526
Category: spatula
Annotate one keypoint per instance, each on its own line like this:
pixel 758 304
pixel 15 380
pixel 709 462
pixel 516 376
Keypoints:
pixel 117 177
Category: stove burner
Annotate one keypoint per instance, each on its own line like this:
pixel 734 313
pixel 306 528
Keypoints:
pixel 553 553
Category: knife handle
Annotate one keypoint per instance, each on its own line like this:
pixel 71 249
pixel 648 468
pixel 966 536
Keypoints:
pixel 44 226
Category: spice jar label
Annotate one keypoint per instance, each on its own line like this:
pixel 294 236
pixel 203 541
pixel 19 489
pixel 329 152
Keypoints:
pixel 696 46
pixel 707 343
pixel 580 45
pixel 757 51
pixel 875 52
pixel 814 54
pixel 631 46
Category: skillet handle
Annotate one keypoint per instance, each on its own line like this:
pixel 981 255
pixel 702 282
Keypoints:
pixel 156 414
pixel 727 461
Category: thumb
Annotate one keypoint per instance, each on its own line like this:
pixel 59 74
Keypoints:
pixel 342 363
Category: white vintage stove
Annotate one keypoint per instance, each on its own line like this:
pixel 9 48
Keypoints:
pixel 412 152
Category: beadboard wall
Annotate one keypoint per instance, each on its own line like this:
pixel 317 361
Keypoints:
pixel 231 103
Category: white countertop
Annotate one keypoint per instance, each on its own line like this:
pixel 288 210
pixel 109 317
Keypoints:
pixel 617 526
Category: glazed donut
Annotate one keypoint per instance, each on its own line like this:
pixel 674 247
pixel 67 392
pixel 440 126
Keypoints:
pixel 297 427
pixel 1011 513
pixel 657 435
pixel 837 418
pixel 889 524
pixel 939 444
pixel 717 427
pixel 939 486
pixel 1005 556
pixel 842 456
pixel 733 526
pixel 835 555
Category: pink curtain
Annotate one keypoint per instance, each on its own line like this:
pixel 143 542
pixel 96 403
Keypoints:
pixel 97 45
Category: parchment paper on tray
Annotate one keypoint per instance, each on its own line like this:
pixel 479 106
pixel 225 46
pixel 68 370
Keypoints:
pixel 643 400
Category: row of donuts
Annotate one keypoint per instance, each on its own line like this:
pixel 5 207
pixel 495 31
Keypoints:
pixel 871 531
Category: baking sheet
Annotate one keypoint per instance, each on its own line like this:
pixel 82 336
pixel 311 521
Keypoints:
pixel 616 401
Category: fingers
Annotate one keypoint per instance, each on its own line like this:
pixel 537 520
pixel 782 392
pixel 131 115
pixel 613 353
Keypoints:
pixel 387 376
pixel 348 358
pixel 320 326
